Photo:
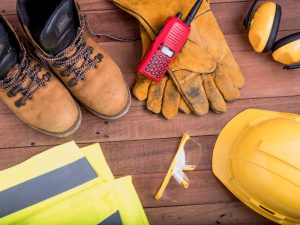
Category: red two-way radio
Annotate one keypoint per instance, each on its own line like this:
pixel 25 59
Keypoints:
pixel 170 40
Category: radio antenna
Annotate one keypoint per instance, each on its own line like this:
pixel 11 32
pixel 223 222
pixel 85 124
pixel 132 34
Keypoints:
pixel 193 13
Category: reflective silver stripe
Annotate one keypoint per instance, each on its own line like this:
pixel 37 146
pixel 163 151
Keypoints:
pixel 45 186
pixel 114 219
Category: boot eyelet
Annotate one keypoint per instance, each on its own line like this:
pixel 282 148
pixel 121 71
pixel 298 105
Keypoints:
pixel 90 49
pixel 10 94
pixel 47 76
pixel 99 57
pixel 19 103
pixel 38 67
pixel 72 83
pixel 64 73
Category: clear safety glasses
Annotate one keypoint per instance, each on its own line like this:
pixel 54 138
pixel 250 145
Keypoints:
pixel 186 159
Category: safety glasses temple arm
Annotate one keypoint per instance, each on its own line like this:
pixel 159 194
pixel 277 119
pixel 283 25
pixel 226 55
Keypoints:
pixel 169 175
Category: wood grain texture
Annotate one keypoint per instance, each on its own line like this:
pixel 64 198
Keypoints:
pixel 9 6
pixel 143 144
pixel 154 155
pixel 210 214
pixel 140 124
pixel 107 18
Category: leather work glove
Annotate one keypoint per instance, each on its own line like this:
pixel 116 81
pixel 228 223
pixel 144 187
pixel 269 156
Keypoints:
pixel 161 97
pixel 205 72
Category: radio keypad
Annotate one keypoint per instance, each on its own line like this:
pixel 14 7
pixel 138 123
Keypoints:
pixel 158 65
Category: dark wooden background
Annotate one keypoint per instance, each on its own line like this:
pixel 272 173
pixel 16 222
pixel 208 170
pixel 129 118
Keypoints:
pixel 142 144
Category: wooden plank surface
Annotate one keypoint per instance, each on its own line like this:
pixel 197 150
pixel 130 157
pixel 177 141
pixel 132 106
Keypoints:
pixel 233 213
pixel 142 144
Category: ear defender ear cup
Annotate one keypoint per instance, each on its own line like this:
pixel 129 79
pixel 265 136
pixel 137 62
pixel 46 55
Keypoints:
pixel 287 49
pixel 264 26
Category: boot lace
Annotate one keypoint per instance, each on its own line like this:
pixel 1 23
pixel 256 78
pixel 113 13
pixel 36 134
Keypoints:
pixel 17 76
pixel 69 63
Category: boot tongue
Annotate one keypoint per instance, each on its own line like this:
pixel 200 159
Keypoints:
pixel 60 29
pixel 8 53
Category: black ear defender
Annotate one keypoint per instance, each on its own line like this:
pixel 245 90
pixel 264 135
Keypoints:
pixel 263 25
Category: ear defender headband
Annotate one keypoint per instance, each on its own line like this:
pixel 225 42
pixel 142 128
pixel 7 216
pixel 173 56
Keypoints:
pixel 263 28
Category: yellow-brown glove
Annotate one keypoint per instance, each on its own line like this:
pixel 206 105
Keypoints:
pixel 205 72
pixel 161 97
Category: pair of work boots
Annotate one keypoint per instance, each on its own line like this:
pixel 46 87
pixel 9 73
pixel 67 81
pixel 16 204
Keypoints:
pixel 65 62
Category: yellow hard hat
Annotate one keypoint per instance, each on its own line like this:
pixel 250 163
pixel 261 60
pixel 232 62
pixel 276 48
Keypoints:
pixel 257 157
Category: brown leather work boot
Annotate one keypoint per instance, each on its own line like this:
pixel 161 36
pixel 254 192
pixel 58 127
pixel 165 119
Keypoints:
pixel 36 96
pixel 56 32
